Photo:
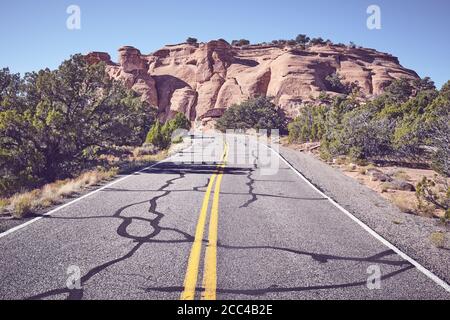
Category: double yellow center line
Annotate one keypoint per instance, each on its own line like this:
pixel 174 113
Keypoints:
pixel 210 265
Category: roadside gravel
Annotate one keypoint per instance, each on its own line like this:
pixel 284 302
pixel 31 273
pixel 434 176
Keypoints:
pixel 411 234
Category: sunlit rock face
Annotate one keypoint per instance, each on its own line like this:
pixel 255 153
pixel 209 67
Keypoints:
pixel 195 78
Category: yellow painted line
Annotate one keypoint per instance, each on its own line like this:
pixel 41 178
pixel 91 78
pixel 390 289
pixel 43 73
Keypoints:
pixel 190 280
pixel 210 270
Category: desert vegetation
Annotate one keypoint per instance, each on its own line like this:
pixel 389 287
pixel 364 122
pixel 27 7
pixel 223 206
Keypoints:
pixel 192 40
pixel 70 128
pixel 408 125
pixel 162 135
pixel 254 113
pixel 240 43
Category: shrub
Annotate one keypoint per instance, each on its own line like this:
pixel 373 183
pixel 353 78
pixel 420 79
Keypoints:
pixel 146 149
pixel 61 119
pixel 180 121
pixel 240 43
pixel 191 40
pixel 291 42
pixel 334 82
pixel 438 239
pixel 302 39
pixel 23 204
pixel 254 113
pixel 403 202
pixel 161 135
pixel 309 126
pixel 363 137
pixel 157 138
pixel 434 191
pixel 4 203
pixel 439 138
pixel 399 91
pixel 177 140
pixel 317 41
pixel 401 175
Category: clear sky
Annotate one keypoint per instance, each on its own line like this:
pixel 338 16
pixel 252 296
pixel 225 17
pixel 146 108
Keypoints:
pixel 34 33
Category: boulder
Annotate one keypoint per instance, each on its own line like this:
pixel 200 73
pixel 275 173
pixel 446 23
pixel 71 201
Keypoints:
pixel 378 175
pixel 400 185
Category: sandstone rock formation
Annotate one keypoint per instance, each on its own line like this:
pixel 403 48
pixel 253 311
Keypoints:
pixel 196 78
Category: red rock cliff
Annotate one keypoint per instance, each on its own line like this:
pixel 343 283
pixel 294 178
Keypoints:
pixel 196 78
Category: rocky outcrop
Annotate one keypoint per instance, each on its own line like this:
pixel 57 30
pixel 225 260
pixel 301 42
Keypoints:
pixel 196 78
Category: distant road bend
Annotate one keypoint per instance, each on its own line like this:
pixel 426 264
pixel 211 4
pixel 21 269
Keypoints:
pixel 199 226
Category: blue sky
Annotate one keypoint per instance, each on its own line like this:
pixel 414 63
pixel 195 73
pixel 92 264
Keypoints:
pixel 34 33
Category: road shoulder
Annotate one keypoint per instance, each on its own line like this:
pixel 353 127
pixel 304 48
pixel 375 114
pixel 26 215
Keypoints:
pixel 411 234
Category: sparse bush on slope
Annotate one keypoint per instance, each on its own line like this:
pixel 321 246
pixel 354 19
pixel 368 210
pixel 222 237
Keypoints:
pixel 53 124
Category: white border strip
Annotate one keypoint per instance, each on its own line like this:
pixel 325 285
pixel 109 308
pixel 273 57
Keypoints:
pixel 23 225
pixel 421 268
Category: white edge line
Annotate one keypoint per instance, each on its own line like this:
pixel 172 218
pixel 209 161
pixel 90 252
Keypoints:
pixel 416 264
pixel 23 225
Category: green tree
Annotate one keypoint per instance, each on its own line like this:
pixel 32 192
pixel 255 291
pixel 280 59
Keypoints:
pixel 330 143
pixel 240 43
pixel 424 84
pixel 309 125
pixel 334 82
pixel 191 40
pixel 10 86
pixel 157 137
pixel 63 118
pixel 434 191
pixel 399 91
pixel 317 41
pixel 180 121
pixel 161 136
pixel 256 113
pixel 302 39
pixel 364 137
pixel 436 122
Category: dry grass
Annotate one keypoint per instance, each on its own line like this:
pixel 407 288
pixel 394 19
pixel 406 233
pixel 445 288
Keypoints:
pixel 144 151
pixel 4 203
pixel 362 170
pixel 341 160
pixel 427 210
pixel 23 204
pixel 351 167
pixel 407 203
pixel 384 187
pixel 401 175
pixel 438 239
pixel 404 203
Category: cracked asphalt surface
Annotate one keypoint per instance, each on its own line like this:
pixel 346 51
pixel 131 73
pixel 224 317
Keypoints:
pixel 277 239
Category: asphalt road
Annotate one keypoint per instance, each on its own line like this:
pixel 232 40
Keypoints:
pixel 223 226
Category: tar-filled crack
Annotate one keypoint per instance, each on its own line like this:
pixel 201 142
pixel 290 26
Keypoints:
pixel 251 182
pixel 77 294
pixel 156 216
pixel 251 188
pixel 281 289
